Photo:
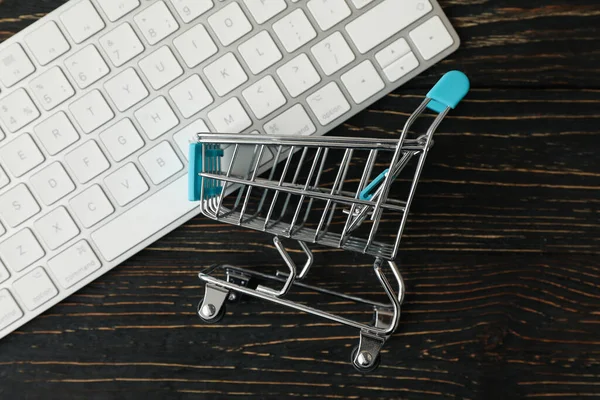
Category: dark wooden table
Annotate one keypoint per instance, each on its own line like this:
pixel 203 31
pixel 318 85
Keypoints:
pixel 500 255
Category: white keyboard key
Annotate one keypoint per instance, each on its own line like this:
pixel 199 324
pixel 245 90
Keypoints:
pixel 35 288
pixel 392 52
pixel 91 206
pixel 229 23
pixel 87 161
pixel 126 184
pixel 298 75
pixel 51 88
pixel 230 117
pixel 187 135
pixel 328 13
pixel 294 30
pixel 362 81
pixel 91 111
pixel 121 44
pixel 21 155
pixel 161 162
pixel 191 96
pixel 56 133
pixel 9 310
pixel 156 118
pixel 4 274
pixel 333 53
pixel 403 66
pixel 4 180
pixel 17 110
pixel 260 52
pixel 52 183
pixel 116 9
pixel 122 139
pixel 14 65
pixel 134 226
pixel 126 89
pixel 74 264
pixel 385 20
pixel 189 10
pixel 361 3
pixel 156 22
pixel 161 67
pixel 82 21
pixel 264 97
pixel 262 10
pixel 47 43
pixel 431 38
pixel 56 228
pixel 195 45
pixel 293 122
pixel 18 205
pixel 225 74
pixel 87 66
pixel 21 250
pixel 328 103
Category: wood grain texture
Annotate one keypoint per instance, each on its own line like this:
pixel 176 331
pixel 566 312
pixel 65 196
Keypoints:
pixel 499 256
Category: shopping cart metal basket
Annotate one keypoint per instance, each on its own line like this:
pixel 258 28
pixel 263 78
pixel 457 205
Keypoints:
pixel 327 191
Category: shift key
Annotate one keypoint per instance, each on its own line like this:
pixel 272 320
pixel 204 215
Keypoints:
pixel 74 264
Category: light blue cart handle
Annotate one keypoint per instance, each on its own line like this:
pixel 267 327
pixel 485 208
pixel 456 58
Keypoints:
pixel 195 167
pixel 449 91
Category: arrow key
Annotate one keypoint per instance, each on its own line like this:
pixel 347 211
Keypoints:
pixel 400 68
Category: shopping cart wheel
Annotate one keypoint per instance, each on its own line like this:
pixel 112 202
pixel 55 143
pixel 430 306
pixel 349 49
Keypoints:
pixel 364 359
pixel 211 307
pixel 205 310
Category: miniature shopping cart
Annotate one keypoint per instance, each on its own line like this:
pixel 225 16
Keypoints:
pixel 336 192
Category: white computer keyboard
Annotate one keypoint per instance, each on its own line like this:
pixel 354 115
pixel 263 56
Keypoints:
pixel 99 99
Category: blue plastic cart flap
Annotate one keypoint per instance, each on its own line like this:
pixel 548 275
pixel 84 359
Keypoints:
pixel 449 91
pixel 194 168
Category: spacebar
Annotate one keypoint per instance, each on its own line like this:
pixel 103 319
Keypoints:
pixel 145 219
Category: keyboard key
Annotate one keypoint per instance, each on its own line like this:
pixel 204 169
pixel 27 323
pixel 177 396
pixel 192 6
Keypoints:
pixel 361 3
pixel 161 67
pixel 74 264
pixel 225 74
pixel 87 66
pixel 21 250
pixel 189 10
pixel 56 133
pixel 35 288
pixel 126 89
pixel 191 96
pixel 91 206
pixel 161 162
pixel 82 21
pixel 156 118
pixel 87 161
pixel 116 9
pixel 293 122
pixel 362 81
pixel 9 310
pixel 47 43
pixel 4 275
pixel 156 22
pixel 4 180
pixel 333 53
pixel 328 13
pixel 21 155
pixel 195 46
pixel 328 103
pixel 229 23
pixel 14 65
pixel 17 110
pixel 431 38
pixel 126 184
pixel 51 88
pixel 52 183
pixel 134 227
pixel 294 30
pixel 298 75
pixel 187 135
pixel 18 205
pixel 260 52
pixel 91 111
pixel 56 228
pixel 121 44
pixel 264 97
pixel 392 52
pixel 385 20
pixel 262 10
pixel 403 66
pixel 230 117
pixel 122 140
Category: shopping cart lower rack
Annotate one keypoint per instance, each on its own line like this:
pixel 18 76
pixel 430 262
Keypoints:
pixel 308 192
